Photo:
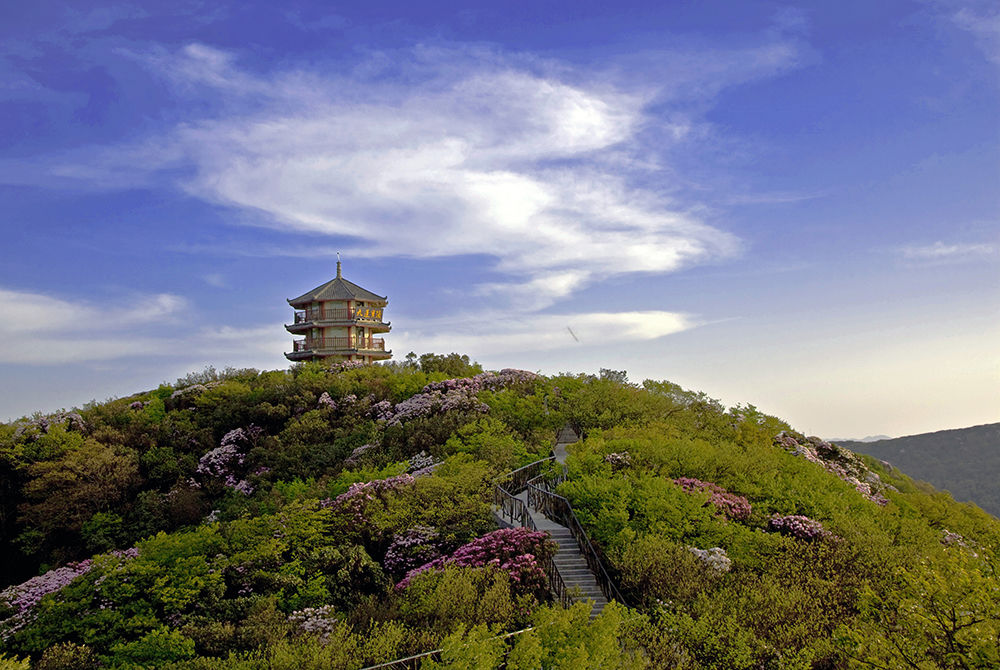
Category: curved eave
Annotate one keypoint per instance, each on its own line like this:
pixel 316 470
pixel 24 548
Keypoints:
pixel 302 304
pixel 375 354
pixel 376 326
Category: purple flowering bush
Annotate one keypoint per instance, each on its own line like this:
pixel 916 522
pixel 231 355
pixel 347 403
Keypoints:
pixel 516 551
pixel 428 403
pixel 344 366
pixel 838 461
pixel 731 505
pixel 450 395
pixel 618 461
pixel 352 503
pixel 20 600
pixel 411 549
pixel 227 462
pixel 798 526
pixel 318 621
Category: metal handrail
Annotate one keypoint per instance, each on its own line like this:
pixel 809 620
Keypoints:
pixel 541 496
pixel 342 314
pixel 404 662
pixel 512 509
pixel 559 509
pixel 556 583
pixel 519 478
pixel 340 343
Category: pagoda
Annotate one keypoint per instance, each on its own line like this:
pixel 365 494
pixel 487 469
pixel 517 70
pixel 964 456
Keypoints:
pixel 339 320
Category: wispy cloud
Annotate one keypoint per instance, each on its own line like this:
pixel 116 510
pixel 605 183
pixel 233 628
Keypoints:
pixel 544 167
pixel 38 328
pixel 980 18
pixel 984 24
pixel 433 153
pixel 948 252
pixel 540 332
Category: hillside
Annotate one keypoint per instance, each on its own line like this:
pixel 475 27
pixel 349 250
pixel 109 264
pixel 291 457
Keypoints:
pixel 342 516
pixel 964 462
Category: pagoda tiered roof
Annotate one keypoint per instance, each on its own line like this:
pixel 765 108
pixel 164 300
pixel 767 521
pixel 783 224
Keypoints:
pixel 337 288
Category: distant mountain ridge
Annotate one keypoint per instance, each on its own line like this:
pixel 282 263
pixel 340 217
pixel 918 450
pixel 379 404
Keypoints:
pixel 963 461
pixel 870 438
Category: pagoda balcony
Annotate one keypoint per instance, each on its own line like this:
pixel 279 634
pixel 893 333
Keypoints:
pixel 337 345
pixel 305 319
pixel 338 314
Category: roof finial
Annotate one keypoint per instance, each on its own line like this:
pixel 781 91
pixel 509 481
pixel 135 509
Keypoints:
pixel 338 265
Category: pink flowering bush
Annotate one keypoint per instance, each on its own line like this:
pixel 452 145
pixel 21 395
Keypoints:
pixel 799 527
pixel 731 505
pixel 513 550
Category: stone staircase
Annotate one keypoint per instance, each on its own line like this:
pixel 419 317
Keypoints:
pixel 575 573
pixel 569 560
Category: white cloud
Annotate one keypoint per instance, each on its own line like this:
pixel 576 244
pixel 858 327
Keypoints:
pixel 984 24
pixel 499 334
pixel 430 153
pixel 26 312
pixel 37 328
pixel 433 153
pixel 942 252
pixel 488 159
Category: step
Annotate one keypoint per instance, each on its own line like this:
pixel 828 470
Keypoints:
pixel 571 562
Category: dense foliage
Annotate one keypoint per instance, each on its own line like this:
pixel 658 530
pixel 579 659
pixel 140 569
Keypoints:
pixel 336 516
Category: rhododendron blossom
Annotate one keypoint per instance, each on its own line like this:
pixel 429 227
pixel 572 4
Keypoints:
pixel 618 461
pixel 513 550
pixel 733 506
pixel 838 461
pixel 318 621
pixel 450 395
pixel 353 501
pixel 22 598
pixel 343 366
pixel 799 527
pixel 715 559
pixel 226 461
pixel 411 549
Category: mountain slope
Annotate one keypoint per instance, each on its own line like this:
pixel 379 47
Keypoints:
pixel 964 461
pixel 329 517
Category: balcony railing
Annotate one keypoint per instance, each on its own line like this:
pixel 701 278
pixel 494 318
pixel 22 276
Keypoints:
pixel 340 344
pixel 340 314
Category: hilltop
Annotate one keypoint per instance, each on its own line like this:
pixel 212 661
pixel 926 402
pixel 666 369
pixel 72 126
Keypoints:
pixel 963 461
pixel 335 516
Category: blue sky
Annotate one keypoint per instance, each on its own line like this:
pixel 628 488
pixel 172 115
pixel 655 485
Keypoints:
pixel 793 206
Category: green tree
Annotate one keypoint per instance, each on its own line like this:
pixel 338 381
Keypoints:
pixel 453 365
pixel 65 493
pixel 943 612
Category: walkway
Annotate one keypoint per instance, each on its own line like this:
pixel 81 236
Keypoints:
pixel 570 563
